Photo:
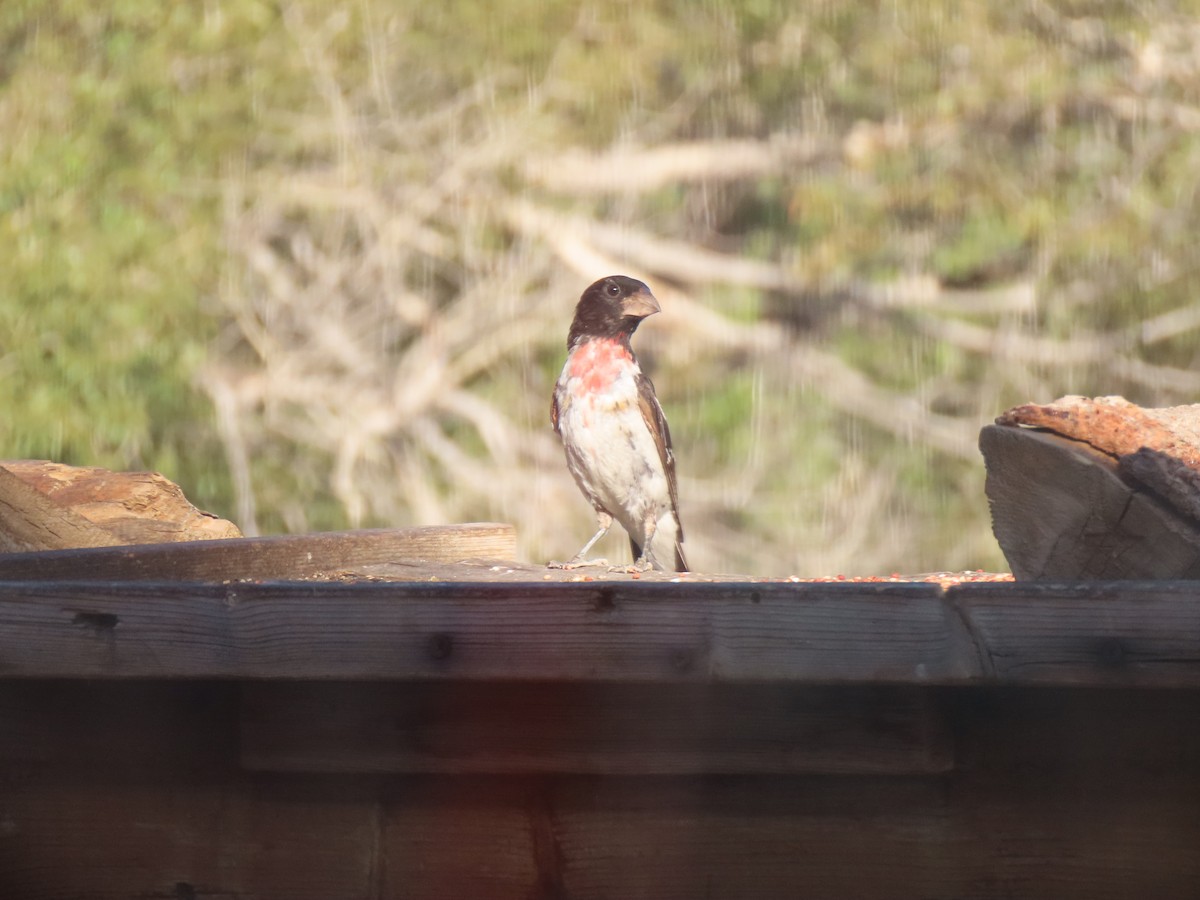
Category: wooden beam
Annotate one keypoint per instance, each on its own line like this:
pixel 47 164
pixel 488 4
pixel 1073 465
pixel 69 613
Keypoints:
pixel 1061 510
pixel 1120 633
pixel 1007 833
pixel 49 506
pixel 127 727
pixel 90 835
pixel 281 557
pixel 613 729
pixel 30 520
pixel 898 633
pixel 1116 633
pixel 1145 634
pixel 1055 793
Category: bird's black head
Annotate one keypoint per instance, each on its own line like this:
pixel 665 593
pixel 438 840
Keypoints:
pixel 611 307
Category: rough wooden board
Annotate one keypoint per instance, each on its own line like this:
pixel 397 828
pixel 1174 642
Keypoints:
pixel 614 729
pixel 1174 481
pixel 87 835
pixel 1105 634
pixel 1115 426
pixel 679 839
pixel 669 839
pixel 49 506
pixel 131 727
pixel 1059 794
pixel 806 634
pixel 510 572
pixel 29 520
pixel 135 507
pixel 1060 511
pixel 507 571
pixel 884 838
pixel 610 632
pixel 280 557
pixel 1090 734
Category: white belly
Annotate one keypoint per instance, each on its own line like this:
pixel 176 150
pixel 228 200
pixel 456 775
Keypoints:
pixel 613 456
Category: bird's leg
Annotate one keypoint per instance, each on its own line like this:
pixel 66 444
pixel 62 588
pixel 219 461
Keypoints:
pixel 604 520
pixel 605 524
pixel 646 561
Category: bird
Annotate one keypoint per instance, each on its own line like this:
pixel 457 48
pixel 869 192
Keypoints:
pixel 613 429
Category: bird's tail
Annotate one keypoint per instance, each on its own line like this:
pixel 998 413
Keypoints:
pixel 680 563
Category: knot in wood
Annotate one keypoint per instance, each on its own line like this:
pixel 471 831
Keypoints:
pixel 1111 653
pixel 606 600
pixel 683 660
pixel 440 645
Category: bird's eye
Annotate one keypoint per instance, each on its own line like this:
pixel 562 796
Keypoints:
pixel 614 290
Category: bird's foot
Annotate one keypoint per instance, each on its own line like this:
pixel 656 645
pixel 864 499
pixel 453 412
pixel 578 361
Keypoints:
pixel 576 563
pixel 642 565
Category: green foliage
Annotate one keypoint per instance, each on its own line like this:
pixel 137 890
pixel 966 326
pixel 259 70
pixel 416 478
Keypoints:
pixel 118 122
pixel 986 248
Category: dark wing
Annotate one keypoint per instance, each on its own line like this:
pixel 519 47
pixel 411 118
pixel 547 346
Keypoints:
pixel 554 412
pixel 656 421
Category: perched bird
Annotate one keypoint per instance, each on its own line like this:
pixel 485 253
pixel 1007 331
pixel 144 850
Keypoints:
pixel 613 429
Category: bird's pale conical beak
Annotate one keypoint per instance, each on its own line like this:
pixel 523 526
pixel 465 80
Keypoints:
pixel 641 304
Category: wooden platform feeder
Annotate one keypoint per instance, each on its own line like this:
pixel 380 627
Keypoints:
pixel 365 716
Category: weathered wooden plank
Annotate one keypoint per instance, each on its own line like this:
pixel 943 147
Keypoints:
pixel 128 507
pixel 469 837
pixel 612 632
pixel 89 836
pixel 592 729
pixel 129 726
pixel 1100 735
pixel 680 838
pixel 267 558
pixel 446 838
pixel 1115 633
pixel 31 520
pixel 1060 510
pixel 436 838
pixel 1060 793
pixel 1145 634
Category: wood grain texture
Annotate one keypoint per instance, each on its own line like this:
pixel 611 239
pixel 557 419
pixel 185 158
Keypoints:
pixel 1143 634
pixel 614 729
pixel 133 507
pixel 1060 511
pixel 993 835
pixel 1045 805
pixel 894 839
pixel 30 521
pixel 1055 793
pixel 90 836
pixel 1115 426
pixel 281 557
pixel 128 727
pixel 611 632
pixel 1100 634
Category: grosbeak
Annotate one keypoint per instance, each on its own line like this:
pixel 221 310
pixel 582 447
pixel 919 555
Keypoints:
pixel 613 429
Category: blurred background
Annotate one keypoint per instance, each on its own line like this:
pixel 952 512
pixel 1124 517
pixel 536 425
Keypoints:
pixel 316 261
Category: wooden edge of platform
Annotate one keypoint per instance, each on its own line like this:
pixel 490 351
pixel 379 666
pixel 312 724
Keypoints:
pixel 279 557
pixel 1109 634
